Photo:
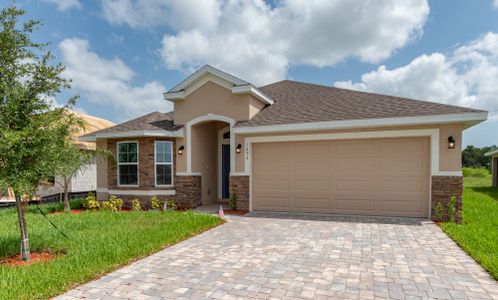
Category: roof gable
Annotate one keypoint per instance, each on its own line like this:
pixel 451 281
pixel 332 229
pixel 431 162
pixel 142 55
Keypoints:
pixel 208 73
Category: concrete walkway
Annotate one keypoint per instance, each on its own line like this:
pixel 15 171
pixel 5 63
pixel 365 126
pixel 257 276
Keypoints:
pixel 303 256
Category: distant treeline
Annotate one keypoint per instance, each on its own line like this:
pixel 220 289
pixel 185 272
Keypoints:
pixel 473 157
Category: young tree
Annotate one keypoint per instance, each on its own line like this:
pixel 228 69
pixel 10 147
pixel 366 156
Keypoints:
pixel 32 128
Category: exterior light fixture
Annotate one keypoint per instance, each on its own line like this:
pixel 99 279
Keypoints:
pixel 451 143
pixel 237 150
pixel 180 150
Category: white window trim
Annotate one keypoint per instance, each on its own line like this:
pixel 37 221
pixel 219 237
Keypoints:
pixel 137 164
pixel 137 192
pixel 156 164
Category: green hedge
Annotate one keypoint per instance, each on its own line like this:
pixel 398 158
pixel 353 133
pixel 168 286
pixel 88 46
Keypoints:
pixel 476 172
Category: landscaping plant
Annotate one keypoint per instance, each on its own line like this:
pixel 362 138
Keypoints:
pixel 107 205
pixel 32 127
pixel 116 202
pixel 233 201
pixel 136 205
pixel 91 202
pixel 170 204
pixel 156 203
pixel 438 212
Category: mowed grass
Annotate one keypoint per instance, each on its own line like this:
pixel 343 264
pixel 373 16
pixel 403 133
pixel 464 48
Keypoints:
pixel 478 235
pixel 99 242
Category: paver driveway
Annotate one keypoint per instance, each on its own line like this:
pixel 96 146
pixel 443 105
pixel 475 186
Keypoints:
pixel 292 256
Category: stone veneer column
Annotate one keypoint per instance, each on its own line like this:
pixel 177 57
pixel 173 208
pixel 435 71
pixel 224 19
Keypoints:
pixel 188 191
pixel 443 188
pixel 240 186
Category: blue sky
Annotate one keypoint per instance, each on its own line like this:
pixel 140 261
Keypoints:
pixel 121 54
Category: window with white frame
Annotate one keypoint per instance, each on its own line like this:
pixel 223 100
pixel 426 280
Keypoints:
pixel 128 163
pixel 164 162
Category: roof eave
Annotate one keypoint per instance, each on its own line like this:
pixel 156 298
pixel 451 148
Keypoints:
pixel 132 133
pixel 491 153
pixel 468 119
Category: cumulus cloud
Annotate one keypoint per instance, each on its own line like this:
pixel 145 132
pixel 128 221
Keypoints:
pixel 259 42
pixel 63 5
pixel 106 81
pixel 467 76
pixel 495 3
pixel 177 14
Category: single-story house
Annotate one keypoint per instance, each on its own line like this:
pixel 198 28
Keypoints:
pixel 494 166
pixel 289 146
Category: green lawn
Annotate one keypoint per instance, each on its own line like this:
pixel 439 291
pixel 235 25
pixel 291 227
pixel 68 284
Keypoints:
pixel 478 235
pixel 99 242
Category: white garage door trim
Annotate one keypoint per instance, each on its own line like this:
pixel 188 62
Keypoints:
pixel 432 133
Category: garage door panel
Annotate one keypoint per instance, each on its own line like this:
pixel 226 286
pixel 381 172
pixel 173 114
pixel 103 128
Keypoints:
pixel 373 177
pixel 306 202
pixel 312 166
pixel 312 186
pixel 276 203
pixel 353 185
pixel 351 205
pixel 357 165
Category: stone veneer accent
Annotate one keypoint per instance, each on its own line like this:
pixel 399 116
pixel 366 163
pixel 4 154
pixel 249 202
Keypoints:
pixel 240 186
pixel 188 191
pixel 443 188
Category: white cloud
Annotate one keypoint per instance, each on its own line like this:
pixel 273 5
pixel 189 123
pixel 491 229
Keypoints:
pixel 149 13
pixel 107 81
pixel 259 42
pixel 468 76
pixel 495 3
pixel 63 5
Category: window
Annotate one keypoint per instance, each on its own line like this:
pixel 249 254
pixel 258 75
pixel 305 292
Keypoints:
pixel 127 163
pixel 164 162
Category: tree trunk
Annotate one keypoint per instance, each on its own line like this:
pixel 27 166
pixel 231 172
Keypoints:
pixel 67 207
pixel 25 252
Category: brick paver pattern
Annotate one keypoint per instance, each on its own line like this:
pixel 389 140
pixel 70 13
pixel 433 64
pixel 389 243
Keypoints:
pixel 285 256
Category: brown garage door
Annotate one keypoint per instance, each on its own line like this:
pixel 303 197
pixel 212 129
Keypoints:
pixel 372 177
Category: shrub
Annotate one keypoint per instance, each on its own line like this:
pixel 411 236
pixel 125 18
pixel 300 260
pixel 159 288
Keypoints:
pixel 438 212
pixel 155 203
pixel 116 202
pixel 108 205
pixel 76 203
pixel 452 209
pixel 91 202
pixel 136 205
pixel 170 204
pixel 233 201
pixel 476 172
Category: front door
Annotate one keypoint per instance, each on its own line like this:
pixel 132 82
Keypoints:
pixel 225 171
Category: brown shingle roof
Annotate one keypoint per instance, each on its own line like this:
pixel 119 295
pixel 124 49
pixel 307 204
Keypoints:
pixel 152 121
pixel 298 102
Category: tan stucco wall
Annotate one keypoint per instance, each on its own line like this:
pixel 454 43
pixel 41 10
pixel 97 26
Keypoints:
pixel 449 159
pixel 205 159
pixel 215 99
pixel 181 160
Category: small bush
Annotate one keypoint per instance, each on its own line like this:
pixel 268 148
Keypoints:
pixel 108 205
pixel 452 209
pixel 136 205
pixel 76 203
pixel 476 172
pixel 155 203
pixel 438 212
pixel 116 202
pixel 233 201
pixel 170 204
pixel 91 202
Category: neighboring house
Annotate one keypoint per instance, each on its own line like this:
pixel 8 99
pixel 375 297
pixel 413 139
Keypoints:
pixel 494 166
pixel 289 146
pixel 85 180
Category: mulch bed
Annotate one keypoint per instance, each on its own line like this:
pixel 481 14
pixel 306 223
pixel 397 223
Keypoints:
pixel 73 211
pixel 238 212
pixel 36 257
